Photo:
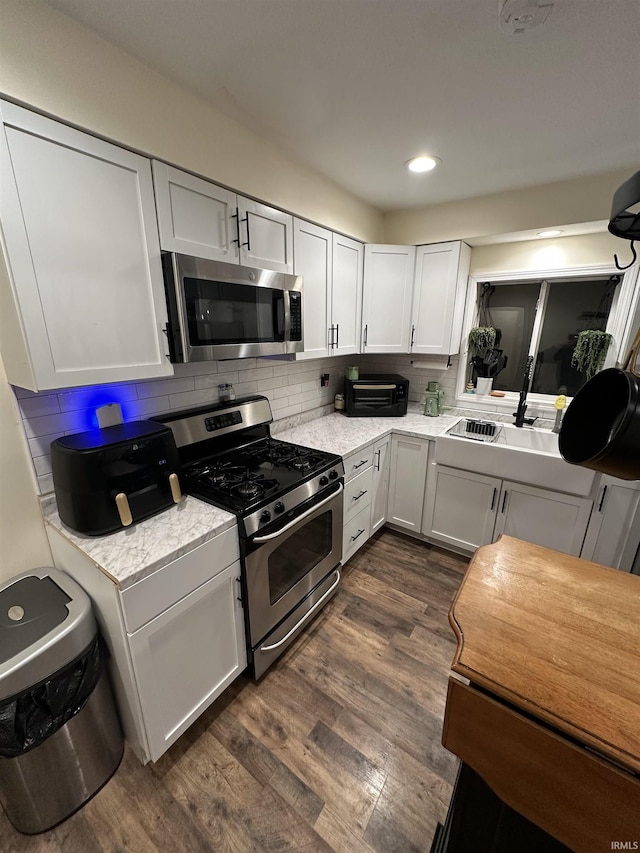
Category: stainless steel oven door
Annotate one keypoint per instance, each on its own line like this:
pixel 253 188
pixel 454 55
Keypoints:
pixel 284 566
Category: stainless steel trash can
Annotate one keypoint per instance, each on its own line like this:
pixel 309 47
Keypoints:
pixel 58 745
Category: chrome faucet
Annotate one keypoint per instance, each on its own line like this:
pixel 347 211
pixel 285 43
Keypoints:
pixel 519 416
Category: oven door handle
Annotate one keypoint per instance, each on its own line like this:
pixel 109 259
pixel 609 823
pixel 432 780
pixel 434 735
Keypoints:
pixel 270 536
pixel 305 617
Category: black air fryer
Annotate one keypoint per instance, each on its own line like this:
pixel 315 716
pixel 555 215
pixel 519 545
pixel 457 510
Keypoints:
pixel 107 479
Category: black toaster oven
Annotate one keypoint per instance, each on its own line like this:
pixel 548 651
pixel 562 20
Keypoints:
pixel 376 395
pixel 107 479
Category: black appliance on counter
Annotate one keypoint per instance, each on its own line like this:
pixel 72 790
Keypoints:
pixel 376 395
pixel 106 479
pixel 288 502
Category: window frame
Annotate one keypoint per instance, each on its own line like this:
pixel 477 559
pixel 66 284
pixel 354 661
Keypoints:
pixel 626 302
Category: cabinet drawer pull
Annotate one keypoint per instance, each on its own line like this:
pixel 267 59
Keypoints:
pixel 504 500
pixel 357 497
pixel 493 499
pixel 359 533
pixel 601 504
pixel 360 464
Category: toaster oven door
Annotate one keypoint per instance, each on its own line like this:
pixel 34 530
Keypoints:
pixel 371 398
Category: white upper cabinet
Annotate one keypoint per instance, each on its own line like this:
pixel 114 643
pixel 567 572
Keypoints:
pixel 388 286
pixel 331 269
pixel 440 287
pixel 84 301
pixel 266 236
pixel 313 254
pixel 198 217
pixel 195 217
pixel 346 295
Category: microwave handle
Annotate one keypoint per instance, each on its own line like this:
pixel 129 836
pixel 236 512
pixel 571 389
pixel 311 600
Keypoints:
pixel 361 387
pixel 286 300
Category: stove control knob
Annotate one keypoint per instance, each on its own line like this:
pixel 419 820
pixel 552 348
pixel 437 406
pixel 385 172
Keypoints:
pixel 323 480
pixel 279 507
pixel 333 475
pixel 265 516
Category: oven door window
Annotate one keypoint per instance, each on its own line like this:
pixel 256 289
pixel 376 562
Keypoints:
pixel 299 554
pixel 223 313
pixel 372 399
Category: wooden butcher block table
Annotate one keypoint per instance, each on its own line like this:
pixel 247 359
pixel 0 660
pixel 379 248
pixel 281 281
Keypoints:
pixel 550 722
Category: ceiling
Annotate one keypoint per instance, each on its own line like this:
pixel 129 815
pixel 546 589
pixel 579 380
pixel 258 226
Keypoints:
pixel 354 88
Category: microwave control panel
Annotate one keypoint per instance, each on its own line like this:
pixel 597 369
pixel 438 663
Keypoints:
pixel 295 302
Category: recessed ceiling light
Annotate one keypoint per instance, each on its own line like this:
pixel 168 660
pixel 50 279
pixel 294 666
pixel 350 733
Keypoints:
pixel 551 232
pixel 424 163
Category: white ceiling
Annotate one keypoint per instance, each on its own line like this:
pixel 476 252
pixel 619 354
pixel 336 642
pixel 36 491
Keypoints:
pixel 354 88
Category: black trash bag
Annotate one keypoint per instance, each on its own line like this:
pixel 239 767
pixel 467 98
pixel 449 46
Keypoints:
pixel 31 717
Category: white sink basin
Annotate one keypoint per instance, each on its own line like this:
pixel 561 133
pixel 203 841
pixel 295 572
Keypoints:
pixel 526 455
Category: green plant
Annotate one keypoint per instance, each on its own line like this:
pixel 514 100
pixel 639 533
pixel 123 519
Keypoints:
pixel 590 352
pixel 481 339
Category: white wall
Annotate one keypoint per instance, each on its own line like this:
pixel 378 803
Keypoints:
pixel 583 200
pixel 55 64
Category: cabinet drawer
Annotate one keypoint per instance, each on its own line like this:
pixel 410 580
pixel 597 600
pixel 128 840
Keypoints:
pixel 356 532
pixel 566 790
pixel 357 463
pixel 154 594
pixel 357 494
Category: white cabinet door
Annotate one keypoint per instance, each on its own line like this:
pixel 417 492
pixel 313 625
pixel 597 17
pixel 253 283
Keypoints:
pixel 462 509
pixel 313 248
pixel 79 229
pixel 266 236
pixel 407 481
pixel 613 535
pixel 184 658
pixel 380 482
pixel 438 299
pixel 543 517
pixel 346 295
pixel 195 217
pixel 388 287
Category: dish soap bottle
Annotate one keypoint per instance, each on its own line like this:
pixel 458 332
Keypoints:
pixel 560 405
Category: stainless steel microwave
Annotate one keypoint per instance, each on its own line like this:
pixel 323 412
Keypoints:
pixel 219 310
pixel 376 395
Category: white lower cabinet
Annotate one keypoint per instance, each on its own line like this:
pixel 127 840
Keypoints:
pixel 543 517
pixel 186 656
pixel 466 510
pixel 357 493
pixel 380 483
pixel 176 637
pixel 407 482
pixel 613 535
pixel 355 533
pixel 460 507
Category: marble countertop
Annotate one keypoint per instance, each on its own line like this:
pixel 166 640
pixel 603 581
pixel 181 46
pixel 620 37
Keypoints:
pixel 339 434
pixel 129 555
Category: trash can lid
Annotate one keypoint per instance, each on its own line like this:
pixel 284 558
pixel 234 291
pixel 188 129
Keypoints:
pixel 45 622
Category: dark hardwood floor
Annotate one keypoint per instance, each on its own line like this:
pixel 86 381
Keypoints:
pixel 337 748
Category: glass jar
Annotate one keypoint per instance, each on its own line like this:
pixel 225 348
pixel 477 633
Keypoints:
pixel 226 392
pixel 338 402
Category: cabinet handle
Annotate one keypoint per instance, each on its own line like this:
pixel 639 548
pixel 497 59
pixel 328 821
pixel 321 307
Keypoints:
pixel 504 500
pixel 378 452
pixel 604 492
pixel 176 491
pixel 357 497
pixel 248 243
pixel 493 499
pixel 239 597
pixel 236 216
pixel 359 533
pixel 337 335
pixel 360 464
pixel 413 331
pixel 331 344
pixel 124 510
pixel 365 334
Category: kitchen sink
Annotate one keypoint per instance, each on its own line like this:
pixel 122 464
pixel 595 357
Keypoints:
pixel 526 455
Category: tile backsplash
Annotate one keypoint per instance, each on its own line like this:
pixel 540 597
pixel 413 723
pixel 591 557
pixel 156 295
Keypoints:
pixel 292 387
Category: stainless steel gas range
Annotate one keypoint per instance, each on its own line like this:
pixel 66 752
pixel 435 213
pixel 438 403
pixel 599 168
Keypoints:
pixel 288 502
